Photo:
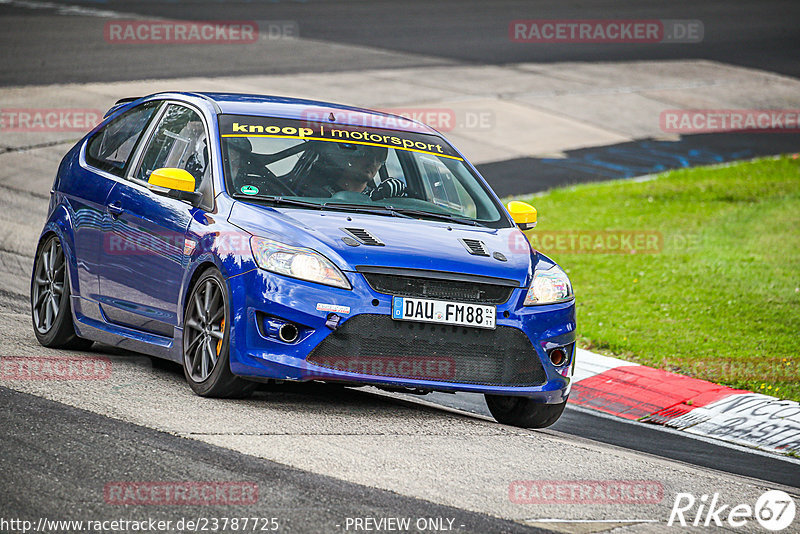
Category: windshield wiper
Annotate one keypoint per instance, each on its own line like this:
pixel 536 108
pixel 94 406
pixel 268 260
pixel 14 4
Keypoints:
pixel 280 200
pixel 433 215
pixel 342 206
pixel 378 210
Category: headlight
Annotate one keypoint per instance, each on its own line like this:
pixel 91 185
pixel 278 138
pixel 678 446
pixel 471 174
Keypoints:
pixel 549 287
pixel 296 262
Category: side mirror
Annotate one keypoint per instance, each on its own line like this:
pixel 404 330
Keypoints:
pixel 523 214
pixel 175 183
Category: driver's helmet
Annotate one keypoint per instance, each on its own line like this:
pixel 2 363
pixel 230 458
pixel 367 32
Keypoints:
pixel 345 159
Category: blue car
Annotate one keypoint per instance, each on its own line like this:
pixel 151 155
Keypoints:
pixel 259 239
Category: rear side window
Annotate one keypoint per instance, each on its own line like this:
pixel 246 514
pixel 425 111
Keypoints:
pixel 111 148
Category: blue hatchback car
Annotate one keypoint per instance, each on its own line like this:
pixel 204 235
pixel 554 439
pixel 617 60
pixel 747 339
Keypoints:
pixel 255 238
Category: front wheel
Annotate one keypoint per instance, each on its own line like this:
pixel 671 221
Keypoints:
pixel 206 340
pixel 523 411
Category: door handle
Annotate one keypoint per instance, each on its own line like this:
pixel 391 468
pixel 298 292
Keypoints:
pixel 115 209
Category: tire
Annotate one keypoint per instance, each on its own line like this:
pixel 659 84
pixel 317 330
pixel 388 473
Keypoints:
pixel 51 308
pixel 523 411
pixel 206 340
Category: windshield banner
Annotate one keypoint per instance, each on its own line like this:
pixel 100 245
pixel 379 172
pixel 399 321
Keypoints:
pixel 248 126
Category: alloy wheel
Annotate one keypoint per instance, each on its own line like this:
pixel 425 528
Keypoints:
pixel 48 286
pixel 205 329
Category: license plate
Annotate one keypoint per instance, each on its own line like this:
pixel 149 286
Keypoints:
pixel 439 311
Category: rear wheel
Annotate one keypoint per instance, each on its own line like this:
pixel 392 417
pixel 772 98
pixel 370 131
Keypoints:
pixel 523 411
pixel 51 309
pixel 206 340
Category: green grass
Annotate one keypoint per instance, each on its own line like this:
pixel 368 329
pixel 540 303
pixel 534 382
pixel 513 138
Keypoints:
pixel 720 300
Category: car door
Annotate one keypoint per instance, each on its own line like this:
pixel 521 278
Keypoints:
pixel 141 277
pixel 104 160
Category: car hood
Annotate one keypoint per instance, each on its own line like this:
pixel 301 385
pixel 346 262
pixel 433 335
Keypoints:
pixel 407 243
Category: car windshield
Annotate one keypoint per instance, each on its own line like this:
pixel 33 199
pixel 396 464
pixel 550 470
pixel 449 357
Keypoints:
pixel 356 168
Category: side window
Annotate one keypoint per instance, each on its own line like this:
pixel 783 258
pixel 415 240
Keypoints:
pixel 179 141
pixel 111 147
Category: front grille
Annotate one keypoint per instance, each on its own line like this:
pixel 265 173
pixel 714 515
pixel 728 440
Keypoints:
pixel 377 345
pixel 438 289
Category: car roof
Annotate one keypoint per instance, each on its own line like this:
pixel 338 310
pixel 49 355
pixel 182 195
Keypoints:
pixel 314 110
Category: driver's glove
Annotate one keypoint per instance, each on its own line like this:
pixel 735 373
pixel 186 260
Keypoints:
pixel 391 187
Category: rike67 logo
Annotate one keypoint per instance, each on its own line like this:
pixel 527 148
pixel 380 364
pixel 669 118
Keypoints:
pixel 774 510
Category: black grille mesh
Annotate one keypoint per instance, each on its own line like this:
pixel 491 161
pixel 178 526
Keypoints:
pixel 377 345
pixel 432 288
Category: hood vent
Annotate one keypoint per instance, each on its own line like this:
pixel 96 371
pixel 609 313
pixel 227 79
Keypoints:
pixel 474 247
pixel 364 237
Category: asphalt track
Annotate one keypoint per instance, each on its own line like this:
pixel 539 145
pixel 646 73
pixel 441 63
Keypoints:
pixel 89 450
pixel 649 439
pixel 86 449
pixel 759 34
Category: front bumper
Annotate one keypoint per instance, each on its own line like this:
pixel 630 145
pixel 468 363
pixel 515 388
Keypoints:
pixel 368 347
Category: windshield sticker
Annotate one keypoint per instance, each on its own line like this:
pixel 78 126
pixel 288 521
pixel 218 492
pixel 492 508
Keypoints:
pixel 246 126
pixel 249 190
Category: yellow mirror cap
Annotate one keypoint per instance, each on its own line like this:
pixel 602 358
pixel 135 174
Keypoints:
pixel 522 212
pixel 168 178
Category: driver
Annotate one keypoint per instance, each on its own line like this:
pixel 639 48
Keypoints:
pixel 350 167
